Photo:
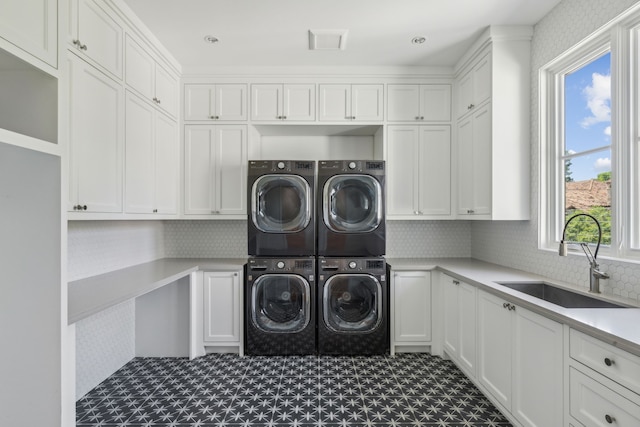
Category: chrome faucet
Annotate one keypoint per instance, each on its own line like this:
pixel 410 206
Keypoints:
pixel 594 269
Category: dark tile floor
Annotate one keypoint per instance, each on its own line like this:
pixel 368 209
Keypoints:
pixel 417 390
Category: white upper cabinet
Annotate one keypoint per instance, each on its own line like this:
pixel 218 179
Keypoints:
pixel 207 102
pixel 96 35
pixel 32 25
pixel 215 170
pixel 347 103
pixel 493 103
pixel 96 118
pixel 418 172
pixel 474 87
pixel 283 102
pixel 151 159
pixel 419 103
pixel 146 76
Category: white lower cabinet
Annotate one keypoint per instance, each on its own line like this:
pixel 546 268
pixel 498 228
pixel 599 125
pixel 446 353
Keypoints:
pixel 595 405
pixel 520 361
pixel 459 338
pixel 411 302
pixel 215 170
pixel 222 308
pixel 604 382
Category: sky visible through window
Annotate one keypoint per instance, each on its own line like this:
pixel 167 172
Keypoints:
pixel 587 122
pixel 588 117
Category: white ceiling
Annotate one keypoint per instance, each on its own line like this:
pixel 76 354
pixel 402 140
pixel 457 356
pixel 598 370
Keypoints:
pixel 275 32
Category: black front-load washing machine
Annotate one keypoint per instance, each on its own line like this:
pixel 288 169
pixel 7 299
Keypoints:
pixel 280 306
pixel 351 208
pixel 281 208
pixel 353 306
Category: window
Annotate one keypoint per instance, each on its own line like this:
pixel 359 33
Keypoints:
pixel 590 141
pixel 586 162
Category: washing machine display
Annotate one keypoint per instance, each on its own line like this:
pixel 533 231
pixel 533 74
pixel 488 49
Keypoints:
pixel 351 205
pixel 353 306
pixel 281 214
pixel 280 306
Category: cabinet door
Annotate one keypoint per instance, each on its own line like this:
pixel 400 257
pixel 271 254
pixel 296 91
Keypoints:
pixel 335 103
pixel 199 102
pixel 99 36
pixel 451 335
pixel 167 143
pixel 230 180
pixel 139 69
pixel 230 102
pixel 537 370
pixel 435 170
pixel 299 102
pixel 482 80
pixel 222 306
pixel 467 321
pixel 266 101
pixel 465 93
pixel 412 306
pixel 482 161
pixel 199 168
pixel 367 103
pixel 435 103
pixel 32 25
pixel 139 155
pixel 465 166
pixel 403 103
pixel 166 91
pixel 494 347
pixel 402 170
pixel 96 138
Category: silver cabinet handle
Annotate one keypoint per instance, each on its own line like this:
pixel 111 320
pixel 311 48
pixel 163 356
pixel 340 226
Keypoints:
pixel 608 361
pixel 609 419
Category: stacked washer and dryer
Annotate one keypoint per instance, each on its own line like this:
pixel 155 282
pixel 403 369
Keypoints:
pixel 316 279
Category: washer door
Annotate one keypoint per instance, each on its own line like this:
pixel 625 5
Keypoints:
pixel 281 303
pixel 352 203
pixel 281 203
pixel 352 303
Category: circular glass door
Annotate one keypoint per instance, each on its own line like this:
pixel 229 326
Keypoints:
pixel 352 203
pixel 281 203
pixel 280 303
pixel 352 303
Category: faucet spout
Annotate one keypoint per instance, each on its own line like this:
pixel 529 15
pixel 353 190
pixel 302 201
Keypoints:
pixel 594 273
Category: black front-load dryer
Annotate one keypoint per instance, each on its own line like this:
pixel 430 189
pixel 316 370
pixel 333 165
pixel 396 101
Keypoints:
pixel 280 306
pixel 353 306
pixel 281 208
pixel 351 208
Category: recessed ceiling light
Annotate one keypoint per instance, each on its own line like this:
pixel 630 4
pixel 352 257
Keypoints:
pixel 418 40
pixel 211 39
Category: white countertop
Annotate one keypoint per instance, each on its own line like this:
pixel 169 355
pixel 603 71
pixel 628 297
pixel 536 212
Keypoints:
pixel 94 294
pixel 617 326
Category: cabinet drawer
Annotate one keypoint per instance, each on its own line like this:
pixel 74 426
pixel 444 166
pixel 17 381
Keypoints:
pixel 619 365
pixel 595 405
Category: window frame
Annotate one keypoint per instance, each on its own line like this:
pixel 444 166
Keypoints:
pixel 621 37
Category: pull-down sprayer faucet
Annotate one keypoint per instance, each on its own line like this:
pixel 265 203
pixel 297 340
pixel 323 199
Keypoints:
pixel 594 273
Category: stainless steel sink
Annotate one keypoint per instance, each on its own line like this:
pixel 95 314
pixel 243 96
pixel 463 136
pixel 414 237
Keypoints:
pixel 558 296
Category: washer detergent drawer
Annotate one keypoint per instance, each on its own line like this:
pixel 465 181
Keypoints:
pixel 595 405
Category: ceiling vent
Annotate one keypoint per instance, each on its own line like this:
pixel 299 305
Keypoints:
pixel 328 39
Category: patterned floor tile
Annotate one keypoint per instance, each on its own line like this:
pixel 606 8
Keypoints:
pixel 416 390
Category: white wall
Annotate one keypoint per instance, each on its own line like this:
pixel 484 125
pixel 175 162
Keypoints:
pixel 106 341
pixel 514 244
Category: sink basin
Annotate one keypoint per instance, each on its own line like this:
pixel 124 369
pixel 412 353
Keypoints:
pixel 558 296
